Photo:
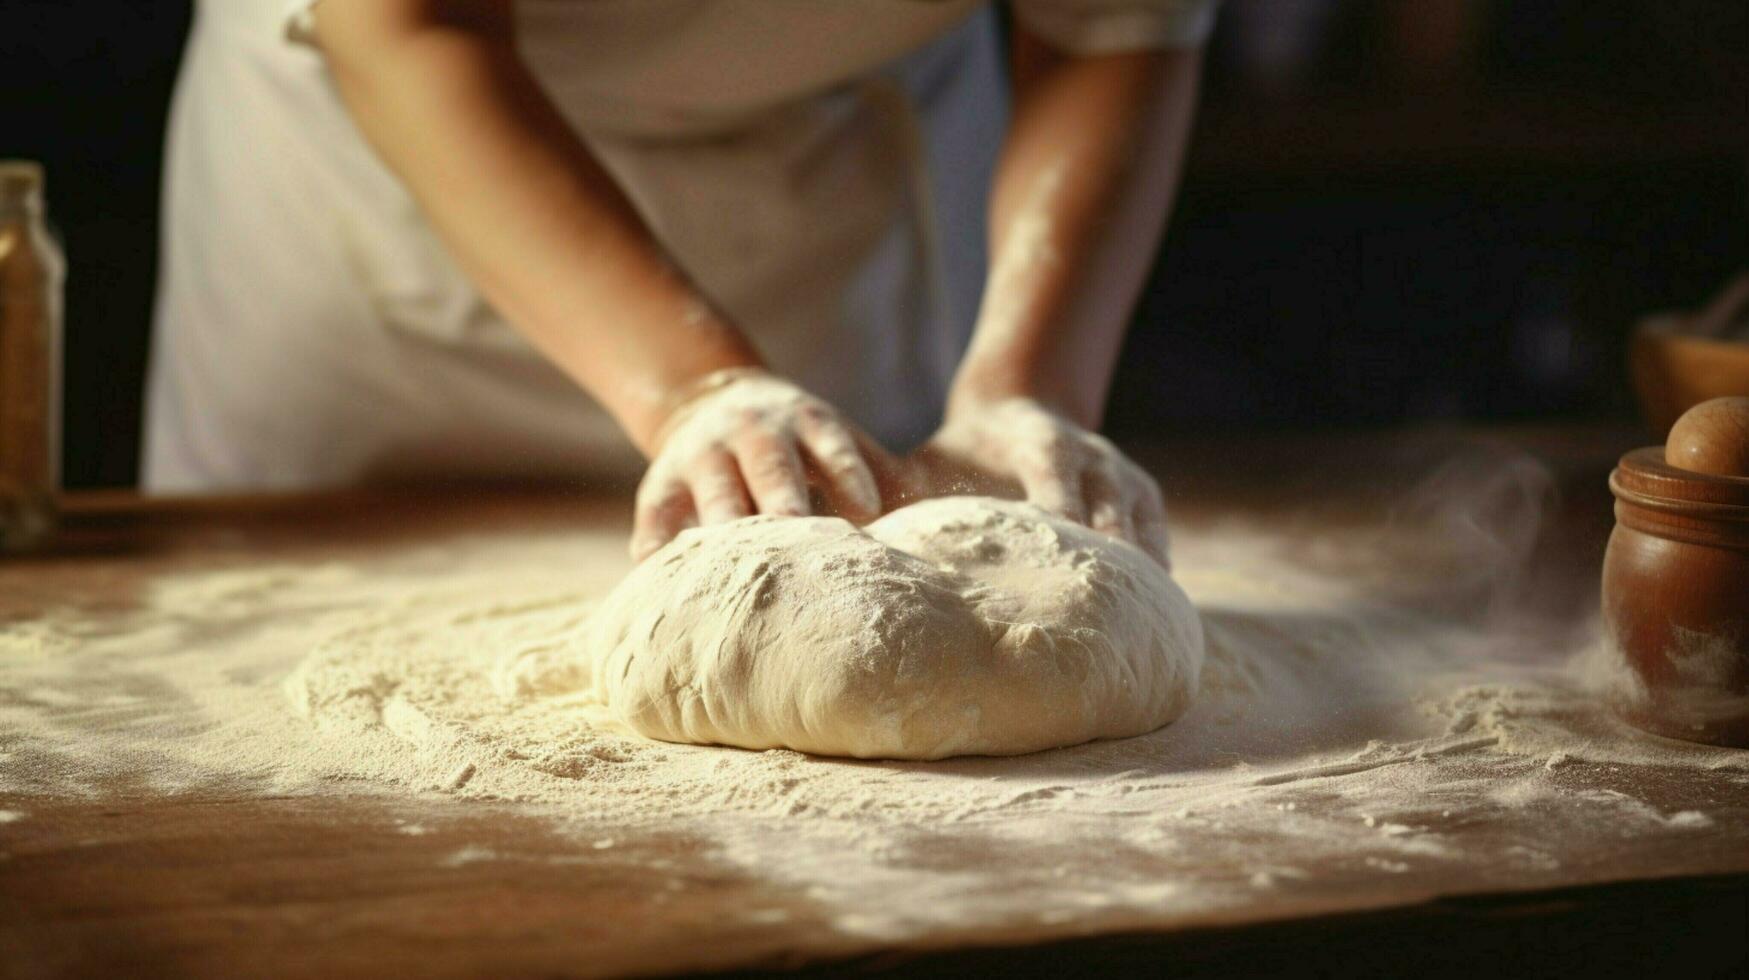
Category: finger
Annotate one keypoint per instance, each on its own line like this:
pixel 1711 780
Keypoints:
pixel 1107 510
pixel 1150 519
pixel 715 482
pixel 772 470
pixel 662 511
pixel 849 482
pixel 1153 538
pixel 1055 487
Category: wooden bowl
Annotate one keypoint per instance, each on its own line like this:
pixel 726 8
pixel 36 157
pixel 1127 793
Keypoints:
pixel 1673 372
pixel 1679 360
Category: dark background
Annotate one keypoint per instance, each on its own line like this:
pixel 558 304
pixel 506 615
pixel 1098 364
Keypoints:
pixel 1395 210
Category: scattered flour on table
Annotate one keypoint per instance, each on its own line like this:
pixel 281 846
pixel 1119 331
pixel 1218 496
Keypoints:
pixel 1329 729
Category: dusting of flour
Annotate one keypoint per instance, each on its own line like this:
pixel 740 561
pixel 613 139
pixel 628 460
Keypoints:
pixel 1330 730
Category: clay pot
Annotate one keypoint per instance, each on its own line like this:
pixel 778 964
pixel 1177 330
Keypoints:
pixel 1676 590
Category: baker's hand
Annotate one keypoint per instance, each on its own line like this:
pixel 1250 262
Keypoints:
pixel 743 442
pixel 1018 447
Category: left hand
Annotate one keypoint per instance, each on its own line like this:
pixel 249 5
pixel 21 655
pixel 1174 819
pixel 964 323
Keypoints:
pixel 1018 447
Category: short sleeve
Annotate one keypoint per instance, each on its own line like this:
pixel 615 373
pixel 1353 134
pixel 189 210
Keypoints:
pixel 1107 26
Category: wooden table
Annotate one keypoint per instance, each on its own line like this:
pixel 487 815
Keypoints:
pixel 135 883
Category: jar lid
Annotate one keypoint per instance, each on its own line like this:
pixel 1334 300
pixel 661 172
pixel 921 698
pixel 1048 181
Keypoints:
pixel 1646 479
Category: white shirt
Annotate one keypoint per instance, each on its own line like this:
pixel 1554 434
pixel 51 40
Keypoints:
pixel 819 168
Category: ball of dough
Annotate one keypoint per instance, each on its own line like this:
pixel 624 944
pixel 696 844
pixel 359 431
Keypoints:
pixel 957 626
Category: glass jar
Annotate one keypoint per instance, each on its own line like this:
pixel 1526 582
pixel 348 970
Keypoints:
pixel 32 272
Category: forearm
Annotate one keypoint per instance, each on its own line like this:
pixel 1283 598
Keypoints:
pixel 534 220
pixel 1083 188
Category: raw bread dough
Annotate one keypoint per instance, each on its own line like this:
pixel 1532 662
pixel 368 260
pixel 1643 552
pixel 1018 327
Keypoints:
pixel 956 626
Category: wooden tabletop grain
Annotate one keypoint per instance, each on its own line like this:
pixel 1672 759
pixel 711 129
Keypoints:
pixel 136 883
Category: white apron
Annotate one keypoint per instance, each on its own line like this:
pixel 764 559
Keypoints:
pixel 818 168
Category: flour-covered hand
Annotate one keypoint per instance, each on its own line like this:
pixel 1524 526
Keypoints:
pixel 745 442
pixel 1018 447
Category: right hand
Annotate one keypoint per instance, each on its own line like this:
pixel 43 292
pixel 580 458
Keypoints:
pixel 1019 447
pixel 748 442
